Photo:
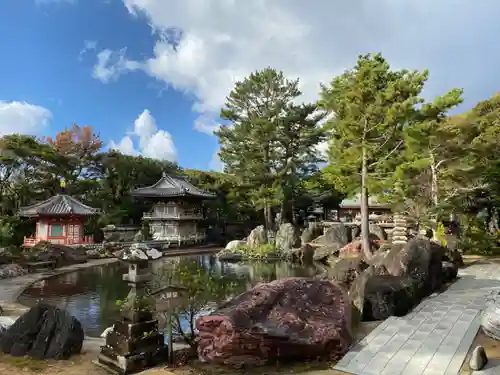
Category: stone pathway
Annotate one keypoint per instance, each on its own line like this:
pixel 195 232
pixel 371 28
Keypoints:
pixel 435 338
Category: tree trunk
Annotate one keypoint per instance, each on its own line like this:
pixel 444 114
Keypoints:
pixel 294 216
pixel 269 217
pixel 283 212
pixel 365 224
pixel 266 219
pixel 496 219
pixel 434 195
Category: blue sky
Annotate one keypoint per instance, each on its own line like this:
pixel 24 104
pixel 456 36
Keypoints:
pixel 110 63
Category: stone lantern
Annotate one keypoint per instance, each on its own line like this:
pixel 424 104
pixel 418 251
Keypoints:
pixel 135 343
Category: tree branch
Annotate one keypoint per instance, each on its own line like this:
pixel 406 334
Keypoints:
pixel 387 156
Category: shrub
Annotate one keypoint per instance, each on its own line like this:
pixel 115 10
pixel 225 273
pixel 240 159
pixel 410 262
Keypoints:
pixel 477 240
pixel 440 234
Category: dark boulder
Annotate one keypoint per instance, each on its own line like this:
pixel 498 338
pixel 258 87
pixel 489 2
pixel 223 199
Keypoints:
pixel 304 254
pixel 44 332
pixel 355 231
pixel 61 254
pixel 450 271
pixel 344 271
pixel 313 231
pixel 322 253
pixel 420 259
pixel 377 230
pixel 287 319
pixel 454 256
pixel 377 297
pixel 336 236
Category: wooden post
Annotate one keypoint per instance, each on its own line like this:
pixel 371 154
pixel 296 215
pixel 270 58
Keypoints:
pixel 170 341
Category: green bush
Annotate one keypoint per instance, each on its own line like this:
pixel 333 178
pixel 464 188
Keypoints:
pixel 260 252
pixel 478 241
pixel 6 233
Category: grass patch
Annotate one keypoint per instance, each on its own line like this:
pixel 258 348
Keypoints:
pixel 25 363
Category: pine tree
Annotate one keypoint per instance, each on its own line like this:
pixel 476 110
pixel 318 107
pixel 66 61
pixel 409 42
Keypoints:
pixel 369 104
pixel 270 139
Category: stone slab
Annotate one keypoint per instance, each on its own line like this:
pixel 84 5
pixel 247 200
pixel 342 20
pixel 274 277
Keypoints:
pixel 435 337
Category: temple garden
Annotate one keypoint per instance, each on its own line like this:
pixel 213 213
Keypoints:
pixel 378 257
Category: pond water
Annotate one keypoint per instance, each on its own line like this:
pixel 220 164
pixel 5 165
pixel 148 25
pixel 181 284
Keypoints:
pixel 91 294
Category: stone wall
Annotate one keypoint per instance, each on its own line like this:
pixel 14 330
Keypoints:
pixel 113 233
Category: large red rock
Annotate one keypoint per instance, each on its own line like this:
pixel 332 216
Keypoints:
pixel 292 318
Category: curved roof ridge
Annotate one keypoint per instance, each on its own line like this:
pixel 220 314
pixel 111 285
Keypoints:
pixel 60 204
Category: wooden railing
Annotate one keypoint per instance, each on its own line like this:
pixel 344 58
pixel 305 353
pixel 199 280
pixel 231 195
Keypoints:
pixel 86 240
pixel 176 215
pixel 184 238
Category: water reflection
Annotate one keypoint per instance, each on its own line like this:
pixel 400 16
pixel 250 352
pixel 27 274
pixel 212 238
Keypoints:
pixel 91 294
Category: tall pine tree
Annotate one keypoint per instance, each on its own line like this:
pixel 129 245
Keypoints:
pixel 369 104
pixel 269 139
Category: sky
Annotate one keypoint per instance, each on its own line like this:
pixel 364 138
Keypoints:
pixel 150 76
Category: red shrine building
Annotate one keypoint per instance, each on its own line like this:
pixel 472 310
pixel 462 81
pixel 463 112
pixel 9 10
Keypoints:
pixel 60 220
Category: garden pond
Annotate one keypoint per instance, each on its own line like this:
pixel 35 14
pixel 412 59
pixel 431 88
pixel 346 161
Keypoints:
pixel 91 294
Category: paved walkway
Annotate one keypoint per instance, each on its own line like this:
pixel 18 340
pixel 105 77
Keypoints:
pixel 435 338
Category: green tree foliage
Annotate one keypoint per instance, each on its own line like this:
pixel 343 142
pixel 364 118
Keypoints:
pixel 474 185
pixel 369 104
pixel 31 169
pixel 269 140
pixel 119 174
pixel 430 153
pixel 203 291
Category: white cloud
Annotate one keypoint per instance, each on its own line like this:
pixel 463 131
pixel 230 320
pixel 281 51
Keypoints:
pixel 110 64
pixel 152 142
pixel 204 46
pixel 206 124
pixel 22 118
pixel 88 45
pixel 215 163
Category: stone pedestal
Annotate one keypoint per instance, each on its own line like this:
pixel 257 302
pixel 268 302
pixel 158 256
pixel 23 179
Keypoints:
pixel 135 342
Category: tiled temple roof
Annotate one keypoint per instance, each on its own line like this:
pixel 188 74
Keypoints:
pixel 58 205
pixel 170 187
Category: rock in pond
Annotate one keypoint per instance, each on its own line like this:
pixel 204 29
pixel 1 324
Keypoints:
pixel 287 319
pixel 140 251
pixel 287 238
pixel 304 254
pixel 344 271
pixel 44 332
pixel 335 237
pixel 257 237
pixel 313 231
pixel 235 244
